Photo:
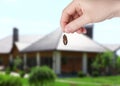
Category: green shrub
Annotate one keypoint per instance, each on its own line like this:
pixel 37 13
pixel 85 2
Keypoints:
pixel 118 64
pixel 10 81
pixel 21 73
pixel 95 73
pixel 8 71
pixel 17 61
pixel 103 61
pixel 81 74
pixel 41 76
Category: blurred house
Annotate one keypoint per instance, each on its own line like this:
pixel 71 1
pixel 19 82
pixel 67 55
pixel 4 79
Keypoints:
pixel 49 50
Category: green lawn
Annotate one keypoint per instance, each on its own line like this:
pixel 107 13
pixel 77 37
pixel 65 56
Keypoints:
pixel 87 81
pixel 96 81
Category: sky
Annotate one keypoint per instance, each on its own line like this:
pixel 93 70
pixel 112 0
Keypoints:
pixel 43 16
pixel 30 16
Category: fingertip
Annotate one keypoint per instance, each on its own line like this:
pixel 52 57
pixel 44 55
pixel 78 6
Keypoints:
pixel 82 30
pixel 62 26
pixel 68 29
pixel 78 31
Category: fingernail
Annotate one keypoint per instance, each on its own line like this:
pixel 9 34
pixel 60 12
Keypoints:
pixel 85 31
pixel 67 29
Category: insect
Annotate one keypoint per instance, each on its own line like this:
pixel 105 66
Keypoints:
pixel 65 41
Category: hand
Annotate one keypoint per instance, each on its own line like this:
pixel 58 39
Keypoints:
pixel 81 12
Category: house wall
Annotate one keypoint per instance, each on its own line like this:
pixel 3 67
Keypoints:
pixel 38 58
pixel 46 53
pixel 72 62
pixel 71 54
pixel 4 59
pixel 69 61
pixel 14 52
pixel 92 54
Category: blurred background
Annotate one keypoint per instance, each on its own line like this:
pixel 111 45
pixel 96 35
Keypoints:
pixel 43 16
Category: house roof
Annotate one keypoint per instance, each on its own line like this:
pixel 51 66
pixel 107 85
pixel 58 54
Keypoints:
pixel 76 42
pixel 54 41
pixel 48 42
pixel 5 45
pixel 112 47
pixel 24 41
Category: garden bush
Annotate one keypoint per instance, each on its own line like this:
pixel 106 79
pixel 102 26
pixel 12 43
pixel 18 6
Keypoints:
pixel 10 81
pixel 41 76
pixel 118 64
pixel 21 73
pixel 81 74
pixel 7 70
pixel 103 63
pixel 95 73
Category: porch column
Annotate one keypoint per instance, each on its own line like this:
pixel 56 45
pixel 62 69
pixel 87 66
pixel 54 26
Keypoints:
pixel 57 62
pixel 38 59
pixel 25 60
pixel 11 58
pixel 114 57
pixel 84 63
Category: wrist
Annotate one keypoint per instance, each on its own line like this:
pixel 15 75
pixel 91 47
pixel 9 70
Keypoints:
pixel 117 8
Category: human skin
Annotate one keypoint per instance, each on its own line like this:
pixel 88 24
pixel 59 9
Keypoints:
pixel 81 12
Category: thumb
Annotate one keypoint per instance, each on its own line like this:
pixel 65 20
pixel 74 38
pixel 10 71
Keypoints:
pixel 74 25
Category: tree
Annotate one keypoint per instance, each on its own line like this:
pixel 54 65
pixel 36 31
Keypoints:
pixel 103 61
pixel 96 65
pixel 118 64
pixel 17 62
pixel 107 61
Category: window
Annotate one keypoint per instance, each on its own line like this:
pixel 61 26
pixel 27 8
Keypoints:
pixel 46 61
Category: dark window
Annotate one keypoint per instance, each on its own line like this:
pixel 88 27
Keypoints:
pixel 31 62
pixel 1 61
pixel 46 61
pixel 64 60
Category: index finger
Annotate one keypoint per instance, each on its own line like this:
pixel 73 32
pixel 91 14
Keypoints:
pixel 67 15
pixel 64 20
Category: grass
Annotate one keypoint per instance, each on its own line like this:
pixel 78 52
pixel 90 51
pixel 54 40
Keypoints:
pixel 86 81
pixel 96 81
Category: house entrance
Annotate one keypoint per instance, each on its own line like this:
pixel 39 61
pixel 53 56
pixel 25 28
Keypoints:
pixel 70 65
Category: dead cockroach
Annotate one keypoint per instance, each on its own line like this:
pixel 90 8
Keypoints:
pixel 65 40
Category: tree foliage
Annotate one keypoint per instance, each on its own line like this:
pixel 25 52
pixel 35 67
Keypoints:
pixel 103 61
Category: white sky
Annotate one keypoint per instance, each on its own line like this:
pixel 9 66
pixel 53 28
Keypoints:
pixel 30 16
pixel 43 16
